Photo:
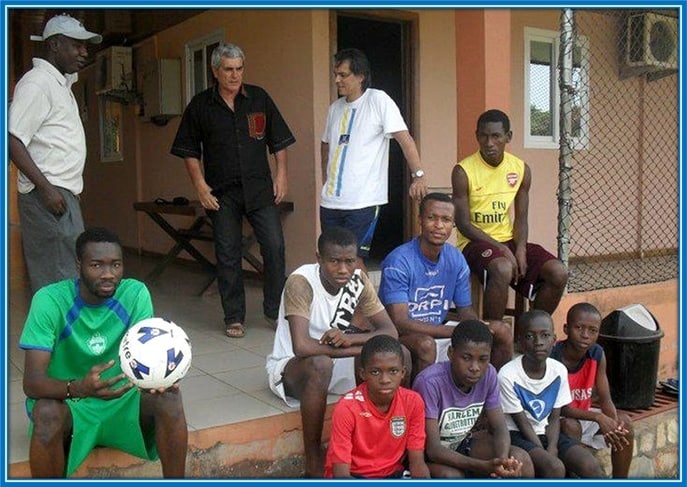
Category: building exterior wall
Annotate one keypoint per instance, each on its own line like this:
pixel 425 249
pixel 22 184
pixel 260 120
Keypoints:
pixel 463 67
pixel 291 59
pixel 543 209
pixel 659 298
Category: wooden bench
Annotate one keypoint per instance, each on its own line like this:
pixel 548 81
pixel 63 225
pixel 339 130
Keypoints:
pixel 477 288
pixel 662 402
pixel 201 230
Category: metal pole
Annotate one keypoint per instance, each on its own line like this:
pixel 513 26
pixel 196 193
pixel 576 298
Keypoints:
pixel 565 123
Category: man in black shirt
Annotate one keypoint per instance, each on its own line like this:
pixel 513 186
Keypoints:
pixel 230 126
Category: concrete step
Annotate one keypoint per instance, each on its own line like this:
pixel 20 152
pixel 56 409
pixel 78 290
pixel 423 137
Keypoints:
pixel 272 447
pixel 269 447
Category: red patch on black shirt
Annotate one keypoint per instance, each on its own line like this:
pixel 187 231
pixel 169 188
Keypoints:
pixel 256 125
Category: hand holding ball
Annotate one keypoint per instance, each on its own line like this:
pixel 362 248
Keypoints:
pixel 155 353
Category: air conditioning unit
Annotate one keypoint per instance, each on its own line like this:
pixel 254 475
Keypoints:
pixel 651 42
pixel 114 71
pixel 160 80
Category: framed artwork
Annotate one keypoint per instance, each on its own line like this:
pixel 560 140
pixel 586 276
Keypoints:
pixel 110 130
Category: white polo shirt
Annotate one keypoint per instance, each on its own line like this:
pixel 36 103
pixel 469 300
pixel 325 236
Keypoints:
pixel 44 115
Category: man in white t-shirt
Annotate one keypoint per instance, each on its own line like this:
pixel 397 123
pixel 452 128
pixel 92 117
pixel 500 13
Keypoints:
pixel 316 344
pixel 355 151
pixel 47 143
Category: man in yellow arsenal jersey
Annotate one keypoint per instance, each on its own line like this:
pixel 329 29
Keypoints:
pixel 491 196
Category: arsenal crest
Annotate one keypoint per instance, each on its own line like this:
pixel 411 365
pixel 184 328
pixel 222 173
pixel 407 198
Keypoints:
pixel 512 179
pixel 398 427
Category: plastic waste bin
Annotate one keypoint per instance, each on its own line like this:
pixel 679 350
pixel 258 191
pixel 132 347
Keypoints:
pixel 631 339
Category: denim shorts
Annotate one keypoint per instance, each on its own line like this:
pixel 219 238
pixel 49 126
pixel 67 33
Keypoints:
pixel 362 222
pixel 564 442
pixel 465 446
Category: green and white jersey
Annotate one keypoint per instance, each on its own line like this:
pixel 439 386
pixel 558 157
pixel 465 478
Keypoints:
pixel 80 335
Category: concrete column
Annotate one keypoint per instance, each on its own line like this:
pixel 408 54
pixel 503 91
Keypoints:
pixel 483 69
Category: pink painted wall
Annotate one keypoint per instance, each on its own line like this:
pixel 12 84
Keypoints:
pixel 109 187
pixel 543 209
pixel 288 53
pixel 661 299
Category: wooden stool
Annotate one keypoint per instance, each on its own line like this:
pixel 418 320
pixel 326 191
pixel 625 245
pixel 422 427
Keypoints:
pixel 520 304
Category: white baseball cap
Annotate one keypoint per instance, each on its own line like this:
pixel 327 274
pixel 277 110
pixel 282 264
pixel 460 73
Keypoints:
pixel 67 26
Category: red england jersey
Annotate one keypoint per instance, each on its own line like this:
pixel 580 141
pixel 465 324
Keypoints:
pixel 372 443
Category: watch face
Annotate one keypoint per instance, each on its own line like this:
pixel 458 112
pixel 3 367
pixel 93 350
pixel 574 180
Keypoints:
pixel 419 173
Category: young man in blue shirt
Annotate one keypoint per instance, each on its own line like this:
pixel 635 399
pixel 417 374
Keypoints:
pixel 422 279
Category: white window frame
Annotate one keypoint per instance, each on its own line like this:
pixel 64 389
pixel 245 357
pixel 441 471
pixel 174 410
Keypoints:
pixel 553 141
pixel 194 45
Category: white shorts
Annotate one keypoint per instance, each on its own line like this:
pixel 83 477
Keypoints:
pixel 442 345
pixel 591 434
pixel 343 379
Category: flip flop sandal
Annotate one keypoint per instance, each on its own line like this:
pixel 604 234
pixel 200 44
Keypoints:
pixel 670 387
pixel 235 331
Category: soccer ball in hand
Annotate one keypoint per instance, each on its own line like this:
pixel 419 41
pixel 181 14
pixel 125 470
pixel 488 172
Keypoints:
pixel 155 353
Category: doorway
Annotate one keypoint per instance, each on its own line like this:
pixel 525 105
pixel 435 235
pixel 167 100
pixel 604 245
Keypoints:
pixel 386 42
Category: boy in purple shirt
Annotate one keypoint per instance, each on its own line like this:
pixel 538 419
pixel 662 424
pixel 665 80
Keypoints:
pixel 456 394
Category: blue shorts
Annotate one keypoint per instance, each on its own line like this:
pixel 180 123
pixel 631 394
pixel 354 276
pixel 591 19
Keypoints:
pixel 465 446
pixel 565 443
pixel 361 222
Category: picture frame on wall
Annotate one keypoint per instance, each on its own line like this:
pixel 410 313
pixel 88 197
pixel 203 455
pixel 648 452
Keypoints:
pixel 110 130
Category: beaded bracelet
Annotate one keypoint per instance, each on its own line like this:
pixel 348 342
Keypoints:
pixel 69 385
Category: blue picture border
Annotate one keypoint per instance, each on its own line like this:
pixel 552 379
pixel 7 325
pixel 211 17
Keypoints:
pixel 4 243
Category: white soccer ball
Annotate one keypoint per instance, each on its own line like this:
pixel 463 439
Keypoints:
pixel 155 353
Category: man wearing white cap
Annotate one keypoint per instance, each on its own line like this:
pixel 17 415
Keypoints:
pixel 47 143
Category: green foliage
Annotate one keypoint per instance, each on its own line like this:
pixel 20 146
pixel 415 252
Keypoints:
pixel 540 122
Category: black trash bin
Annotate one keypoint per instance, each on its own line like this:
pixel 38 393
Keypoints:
pixel 631 339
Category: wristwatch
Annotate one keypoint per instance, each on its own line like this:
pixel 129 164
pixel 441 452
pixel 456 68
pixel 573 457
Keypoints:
pixel 418 174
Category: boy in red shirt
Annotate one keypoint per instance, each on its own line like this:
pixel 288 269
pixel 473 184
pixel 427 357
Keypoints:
pixel 376 424
pixel 586 364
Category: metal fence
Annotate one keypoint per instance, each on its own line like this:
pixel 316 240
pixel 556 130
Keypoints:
pixel 618 164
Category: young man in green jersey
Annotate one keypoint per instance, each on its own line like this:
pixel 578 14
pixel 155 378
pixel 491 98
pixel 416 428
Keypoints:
pixel 77 395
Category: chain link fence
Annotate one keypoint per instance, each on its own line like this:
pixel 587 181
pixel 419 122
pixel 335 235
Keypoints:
pixel 618 164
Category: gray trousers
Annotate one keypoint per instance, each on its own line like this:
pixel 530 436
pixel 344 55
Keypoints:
pixel 48 241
